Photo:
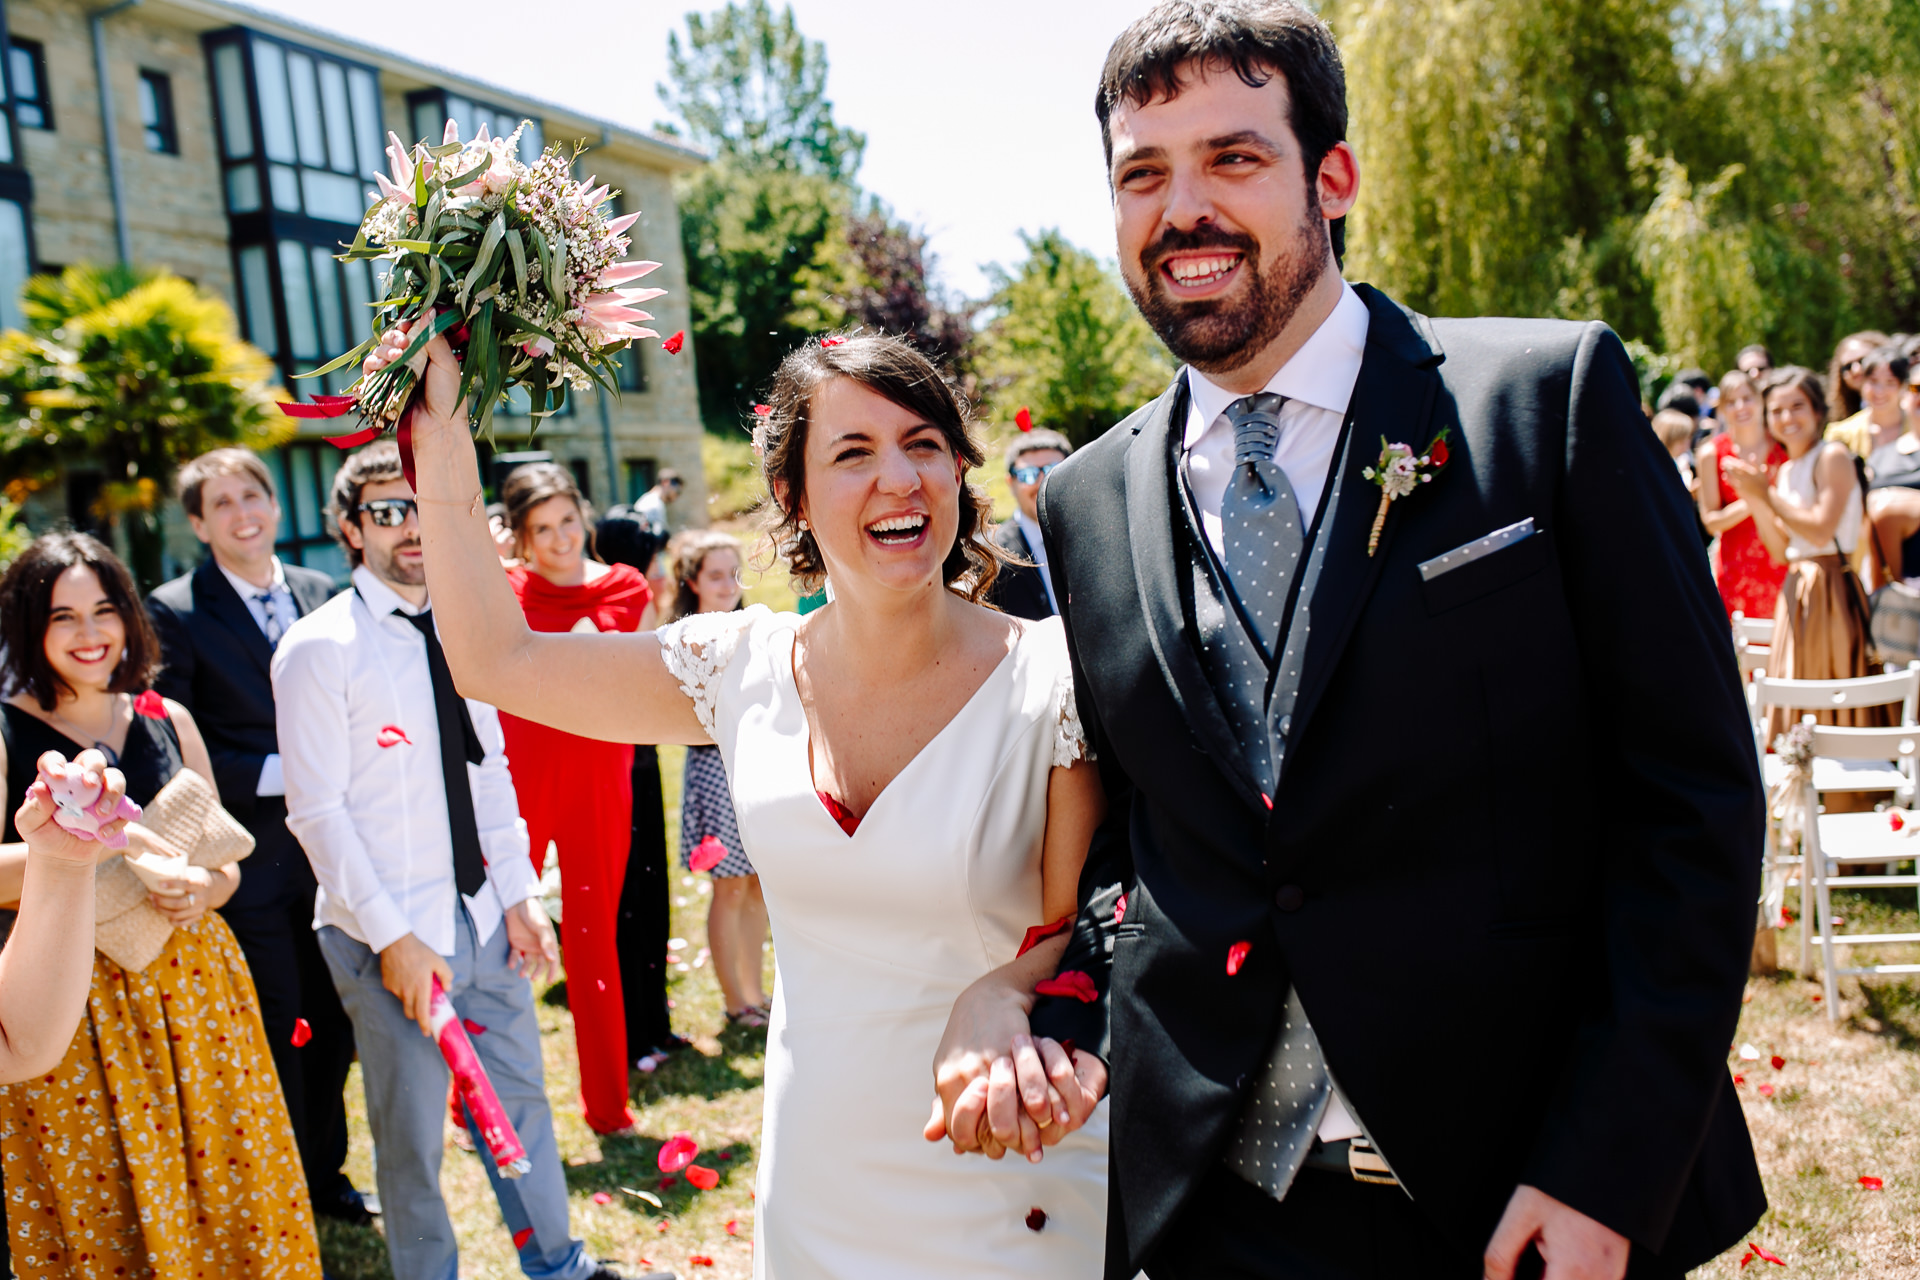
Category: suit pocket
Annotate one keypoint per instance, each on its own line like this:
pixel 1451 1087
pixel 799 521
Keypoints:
pixel 1502 568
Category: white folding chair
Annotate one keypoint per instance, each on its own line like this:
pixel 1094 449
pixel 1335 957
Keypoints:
pixel 1752 630
pixel 1753 661
pixel 1837 840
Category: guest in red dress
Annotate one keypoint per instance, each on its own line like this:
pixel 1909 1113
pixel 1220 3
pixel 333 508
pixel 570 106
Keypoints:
pixel 577 792
pixel 1749 579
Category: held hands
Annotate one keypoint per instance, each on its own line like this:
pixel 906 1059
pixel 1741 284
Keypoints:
pixel 1574 1246
pixel 530 934
pixel 86 772
pixel 408 968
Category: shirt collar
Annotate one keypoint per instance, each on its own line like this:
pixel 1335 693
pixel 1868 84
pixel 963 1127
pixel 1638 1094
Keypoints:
pixel 1322 372
pixel 246 590
pixel 382 599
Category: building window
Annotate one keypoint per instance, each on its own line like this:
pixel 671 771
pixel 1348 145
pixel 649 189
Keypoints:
pixel 632 375
pixel 27 78
pixel 303 472
pixel 156 112
pixel 16 258
pixel 640 475
pixel 430 109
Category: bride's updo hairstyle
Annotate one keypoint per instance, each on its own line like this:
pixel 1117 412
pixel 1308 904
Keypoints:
pixel 892 369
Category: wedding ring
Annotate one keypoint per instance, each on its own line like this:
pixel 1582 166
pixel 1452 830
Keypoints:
pixel 189 899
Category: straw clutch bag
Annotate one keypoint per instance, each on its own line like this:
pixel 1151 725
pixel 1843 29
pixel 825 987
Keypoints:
pixel 190 830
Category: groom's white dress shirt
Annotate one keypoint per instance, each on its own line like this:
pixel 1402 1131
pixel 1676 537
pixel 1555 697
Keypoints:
pixel 1318 384
pixel 371 817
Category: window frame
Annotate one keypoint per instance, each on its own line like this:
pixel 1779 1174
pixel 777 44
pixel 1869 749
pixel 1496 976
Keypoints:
pixel 158 86
pixel 36 54
pixel 496 115
pixel 316 549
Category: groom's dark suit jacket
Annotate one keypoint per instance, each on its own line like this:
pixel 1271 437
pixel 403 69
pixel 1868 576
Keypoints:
pixel 1512 860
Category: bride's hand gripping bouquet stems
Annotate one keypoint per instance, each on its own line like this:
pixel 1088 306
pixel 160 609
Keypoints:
pixel 518 266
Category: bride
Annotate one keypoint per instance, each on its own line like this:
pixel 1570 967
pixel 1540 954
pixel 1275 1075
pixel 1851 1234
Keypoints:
pixel 912 784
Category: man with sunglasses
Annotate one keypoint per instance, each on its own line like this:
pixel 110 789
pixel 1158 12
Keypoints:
pixel 398 789
pixel 1024 588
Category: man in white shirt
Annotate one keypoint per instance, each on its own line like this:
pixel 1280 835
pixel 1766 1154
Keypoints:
pixel 218 627
pixel 398 789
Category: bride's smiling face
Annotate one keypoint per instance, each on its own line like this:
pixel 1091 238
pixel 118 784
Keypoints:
pixel 882 489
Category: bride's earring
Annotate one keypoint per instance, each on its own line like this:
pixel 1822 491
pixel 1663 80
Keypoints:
pixel 804 526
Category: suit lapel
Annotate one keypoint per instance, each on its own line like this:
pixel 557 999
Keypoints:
pixel 308 593
pixel 1394 397
pixel 1152 522
pixel 224 605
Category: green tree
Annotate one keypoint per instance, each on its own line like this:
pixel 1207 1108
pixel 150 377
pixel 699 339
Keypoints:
pixel 1705 289
pixel 749 88
pixel 133 372
pixel 15 537
pixel 1065 341
pixel 872 274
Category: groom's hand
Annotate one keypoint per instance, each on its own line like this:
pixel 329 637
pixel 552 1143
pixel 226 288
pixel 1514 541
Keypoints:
pixel 1574 1246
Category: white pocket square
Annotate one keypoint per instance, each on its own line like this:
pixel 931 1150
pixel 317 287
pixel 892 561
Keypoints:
pixel 1479 547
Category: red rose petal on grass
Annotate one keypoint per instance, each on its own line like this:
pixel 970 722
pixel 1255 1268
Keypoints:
pixel 302 1032
pixel 1778 1062
pixel 672 345
pixel 1872 1183
pixel 473 1028
pixel 601 1197
pixel 664 1184
pixel 151 705
pixel 1739 1080
pixel 1439 453
pixel 1766 1091
pixel 1039 933
pixel 699 1260
pixel 1237 956
pixel 723 1155
pixel 1817 999
pixel 1761 1253
pixel 702 1177
pixel 1069 982
pixel 708 854
pixel 1024 419
pixel 733 1227
pixel 392 735
pixel 678 1152
pixel 1120 909
pixel 353 439
pixel 521 1237
pixel 1036 1218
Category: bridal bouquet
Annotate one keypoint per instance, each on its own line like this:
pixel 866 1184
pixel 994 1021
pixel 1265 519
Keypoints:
pixel 519 266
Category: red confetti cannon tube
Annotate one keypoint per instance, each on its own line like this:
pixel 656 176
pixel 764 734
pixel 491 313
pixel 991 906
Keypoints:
pixel 476 1091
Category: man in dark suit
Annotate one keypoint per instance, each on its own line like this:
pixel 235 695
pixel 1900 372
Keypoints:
pixel 1432 795
pixel 218 626
pixel 1022 588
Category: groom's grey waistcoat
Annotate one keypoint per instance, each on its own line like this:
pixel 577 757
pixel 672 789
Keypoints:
pixel 1509 854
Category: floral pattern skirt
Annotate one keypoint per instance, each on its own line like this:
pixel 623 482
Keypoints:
pixel 160 1145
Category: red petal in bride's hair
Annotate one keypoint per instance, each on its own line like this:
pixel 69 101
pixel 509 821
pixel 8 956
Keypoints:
pixel 678 1153
pixel 1237 956
pixel 1071 983
pixel 1041 932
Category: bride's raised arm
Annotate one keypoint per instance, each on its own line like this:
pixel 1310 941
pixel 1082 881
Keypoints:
pixel 609 686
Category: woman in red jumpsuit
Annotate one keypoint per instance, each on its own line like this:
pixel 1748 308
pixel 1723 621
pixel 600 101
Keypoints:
pixel 577 792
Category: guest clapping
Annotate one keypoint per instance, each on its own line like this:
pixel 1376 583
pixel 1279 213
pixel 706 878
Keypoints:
pixel 162 1129
pixel 1749 579
pixel 707 580
pixel 577 792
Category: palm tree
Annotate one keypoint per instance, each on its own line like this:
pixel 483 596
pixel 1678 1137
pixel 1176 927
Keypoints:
pixel 134 372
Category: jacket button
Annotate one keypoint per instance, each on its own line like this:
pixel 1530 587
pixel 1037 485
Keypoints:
pixel 1289 897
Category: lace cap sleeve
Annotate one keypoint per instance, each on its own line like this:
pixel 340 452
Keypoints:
pixel 698 649
pixel 1069 739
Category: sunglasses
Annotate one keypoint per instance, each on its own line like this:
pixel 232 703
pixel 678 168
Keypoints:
pixel 388 513
pixel 1031 475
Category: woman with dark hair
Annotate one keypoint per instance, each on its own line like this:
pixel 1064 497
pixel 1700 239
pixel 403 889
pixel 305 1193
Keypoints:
pixel 706 574
pixel 1809 519
pixel 1844 376
pixel 160 1144
pixel 1894 432
pixel 912 782
pixel 1749 579
pixel 574 791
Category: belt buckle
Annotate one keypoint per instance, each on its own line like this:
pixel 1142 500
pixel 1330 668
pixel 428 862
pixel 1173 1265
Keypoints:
pixel 1365 1164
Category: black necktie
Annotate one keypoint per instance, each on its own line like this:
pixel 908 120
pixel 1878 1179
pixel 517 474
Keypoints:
pixel 459 747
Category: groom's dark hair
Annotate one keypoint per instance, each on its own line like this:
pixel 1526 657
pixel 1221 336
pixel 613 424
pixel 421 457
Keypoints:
pixel 1255 39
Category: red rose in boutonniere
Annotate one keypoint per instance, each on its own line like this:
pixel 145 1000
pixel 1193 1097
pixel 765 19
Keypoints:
pixel 1399 472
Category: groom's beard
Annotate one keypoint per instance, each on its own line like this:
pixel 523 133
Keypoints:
pixel 1218 335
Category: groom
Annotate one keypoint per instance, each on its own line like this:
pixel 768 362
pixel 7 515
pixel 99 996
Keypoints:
pixel 1434 802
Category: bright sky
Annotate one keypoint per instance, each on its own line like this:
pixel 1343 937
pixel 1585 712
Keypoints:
pixel 979 118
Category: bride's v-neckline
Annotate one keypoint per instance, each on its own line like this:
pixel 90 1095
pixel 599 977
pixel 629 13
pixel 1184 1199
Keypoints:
pixel 841 816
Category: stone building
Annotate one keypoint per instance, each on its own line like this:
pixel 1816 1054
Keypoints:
pixel 239 154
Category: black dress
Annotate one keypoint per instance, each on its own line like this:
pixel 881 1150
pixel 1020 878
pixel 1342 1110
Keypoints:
pixel 151 758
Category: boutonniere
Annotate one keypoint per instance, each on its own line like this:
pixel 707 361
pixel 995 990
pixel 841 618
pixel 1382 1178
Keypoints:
pixel 1399 472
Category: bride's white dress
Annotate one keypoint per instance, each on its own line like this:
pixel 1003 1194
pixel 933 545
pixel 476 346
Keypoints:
pixel 875 935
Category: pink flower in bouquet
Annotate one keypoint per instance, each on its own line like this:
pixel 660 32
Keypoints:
pixel 621 272
pixel 400 189
pixel 608 316
pixel 538 347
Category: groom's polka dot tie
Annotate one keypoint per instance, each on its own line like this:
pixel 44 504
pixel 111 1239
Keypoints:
pixel 1260 527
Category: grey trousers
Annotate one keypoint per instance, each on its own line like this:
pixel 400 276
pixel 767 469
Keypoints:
pixel 406 1086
